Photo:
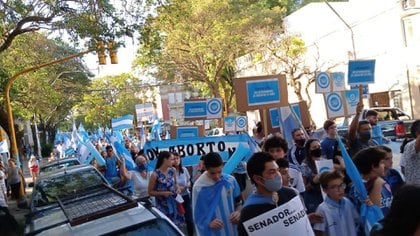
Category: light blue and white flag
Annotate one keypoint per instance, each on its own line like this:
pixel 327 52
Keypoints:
pixel 4 148
pixel 369 214
pixel 123 122
pixel 120 150
pixel 156 130
pixel 289 122
pixel 83 133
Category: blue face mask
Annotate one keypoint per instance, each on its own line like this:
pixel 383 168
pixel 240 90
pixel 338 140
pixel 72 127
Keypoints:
pixel 273 185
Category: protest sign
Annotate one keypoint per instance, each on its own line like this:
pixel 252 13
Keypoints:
pixel 334 105
pixel 361 72
pixel 241 123
pixel 144 112
pixel 338 82
pixel 323 82
pixel 179 132
pixel 324 165
pixel 286 220
pixel 191 149
pixel 261 92
pixel 230 124
pixel 351 101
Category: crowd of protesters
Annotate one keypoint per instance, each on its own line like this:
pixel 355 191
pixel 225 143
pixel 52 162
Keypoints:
pixel 202 200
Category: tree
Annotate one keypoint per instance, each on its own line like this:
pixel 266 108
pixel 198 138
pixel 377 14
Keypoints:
pixel 197 41
pixel 44 93
pixel 289 55
pixel 90 19
pixel 111 97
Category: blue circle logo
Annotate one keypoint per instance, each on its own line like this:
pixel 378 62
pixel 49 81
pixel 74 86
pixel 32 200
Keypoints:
pixel 334 102
pixel 241 122
pixel 323 80
pixel 214 106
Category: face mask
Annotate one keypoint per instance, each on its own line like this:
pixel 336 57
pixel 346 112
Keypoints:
pixel 300 142
pixel 365 135
pixel 316 152
pixel 141 167
pixel 273 185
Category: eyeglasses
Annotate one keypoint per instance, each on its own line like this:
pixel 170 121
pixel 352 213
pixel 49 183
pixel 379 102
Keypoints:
pixel 338 187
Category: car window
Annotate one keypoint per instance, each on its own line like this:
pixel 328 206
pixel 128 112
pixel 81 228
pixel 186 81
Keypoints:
pixel 47 190
pixel 59 165
pixel 155 227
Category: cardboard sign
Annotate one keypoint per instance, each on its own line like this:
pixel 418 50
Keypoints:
pixel 179 132
pixel 361 72
pixel 365 92
pixel 230 123
pixel 214 108
pixel 351 100
pixel 241 123
pixel 302 111
pixel 261 92
pixel 324 165
pixel 195 109
pixel 323 82
pixel 288 219
pixel 334 105
pixel 274 116
pixel 338 82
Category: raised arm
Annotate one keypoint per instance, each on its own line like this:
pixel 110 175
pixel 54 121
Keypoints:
pixel 355 122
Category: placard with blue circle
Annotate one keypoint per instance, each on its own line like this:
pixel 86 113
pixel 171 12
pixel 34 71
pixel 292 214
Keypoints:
pixel 263 91
pixel 214 108
pixel 334 105
pixel 338 81
pixel 323 82
pixel 241 123
pixel 361 72
pixel 351 100
pixel 274 117
pixel 230 124
pixel 195 109
pixel 187 132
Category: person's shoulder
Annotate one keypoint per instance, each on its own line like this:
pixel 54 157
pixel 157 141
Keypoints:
pixel 286 194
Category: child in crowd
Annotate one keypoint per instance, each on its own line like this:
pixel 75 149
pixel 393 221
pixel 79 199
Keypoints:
pixel 392 176
pixel 340 215
pixel 277 147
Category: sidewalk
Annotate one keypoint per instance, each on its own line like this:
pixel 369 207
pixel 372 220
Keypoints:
pixel 18 213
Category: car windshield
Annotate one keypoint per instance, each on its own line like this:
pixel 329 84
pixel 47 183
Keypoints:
pixel 47 190
pixel 59 165
pixel 154 227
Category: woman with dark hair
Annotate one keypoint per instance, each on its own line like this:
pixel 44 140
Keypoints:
pixel 163 187
pixel 404 216
pixel 184 184
pixel 313 195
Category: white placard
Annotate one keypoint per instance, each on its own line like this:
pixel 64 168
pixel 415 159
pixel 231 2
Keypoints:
pixel 287 219
pixel 323 82
pixel 229 124
pixel 241 123
pixel 338 81
pixel 352 98
pixel 334 105
pixel 214 108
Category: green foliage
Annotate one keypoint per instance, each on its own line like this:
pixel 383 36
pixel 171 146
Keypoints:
pixel 90 20
pixel 112 96
pixel 195 40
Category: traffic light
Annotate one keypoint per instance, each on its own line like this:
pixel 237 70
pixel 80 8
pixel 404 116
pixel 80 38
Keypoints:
pixel 113 52
pixel 101 52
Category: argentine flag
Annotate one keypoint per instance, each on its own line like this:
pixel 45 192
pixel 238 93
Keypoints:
pixel 124 122
pixel 289 122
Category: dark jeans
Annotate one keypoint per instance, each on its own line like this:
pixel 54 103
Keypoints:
pixel 188 214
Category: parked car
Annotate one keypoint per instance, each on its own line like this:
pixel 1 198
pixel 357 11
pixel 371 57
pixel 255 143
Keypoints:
pixel 99 211
pixel 394 122
pixel 71 181
pixel 59 164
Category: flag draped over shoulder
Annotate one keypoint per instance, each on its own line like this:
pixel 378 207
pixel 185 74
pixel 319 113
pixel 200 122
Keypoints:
pixel 123 122
pixel 369 214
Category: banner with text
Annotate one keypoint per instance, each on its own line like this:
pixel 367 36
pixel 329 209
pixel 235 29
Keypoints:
pixel 191 149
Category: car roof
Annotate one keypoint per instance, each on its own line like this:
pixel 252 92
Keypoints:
pixel 64 160
pixel 70 169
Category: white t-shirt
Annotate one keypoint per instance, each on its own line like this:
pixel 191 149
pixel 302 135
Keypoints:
pixel 140 184
pixel 296 180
